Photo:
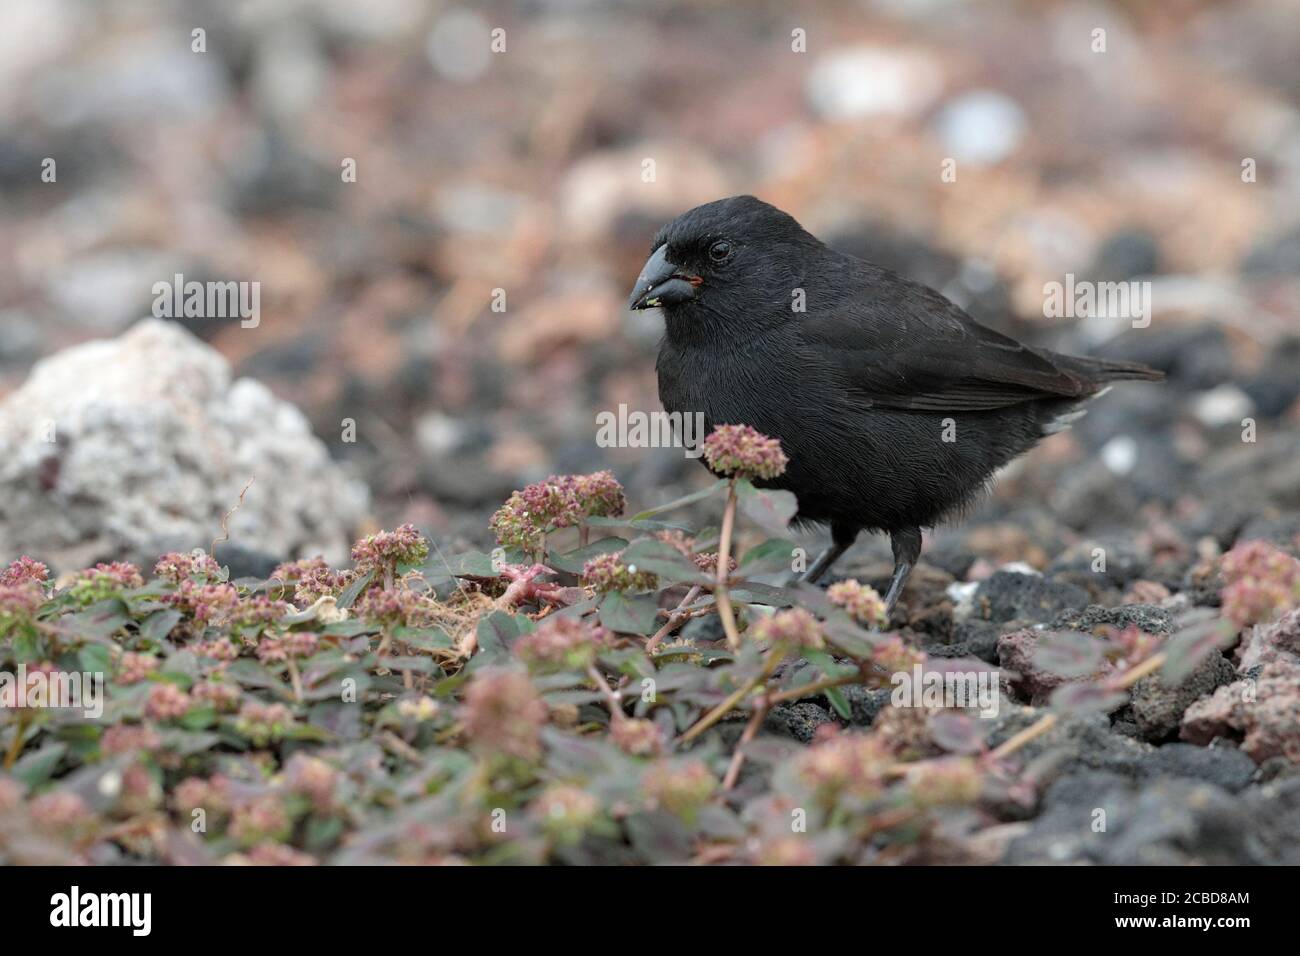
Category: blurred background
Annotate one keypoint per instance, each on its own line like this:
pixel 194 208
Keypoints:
pixel 1171 156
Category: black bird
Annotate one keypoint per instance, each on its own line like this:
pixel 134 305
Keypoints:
pixel 894 406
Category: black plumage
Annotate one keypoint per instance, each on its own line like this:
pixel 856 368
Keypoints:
pixel 894 406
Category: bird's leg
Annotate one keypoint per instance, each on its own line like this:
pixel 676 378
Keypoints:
pixel 823 563
pixel 841 540
pixel 906 545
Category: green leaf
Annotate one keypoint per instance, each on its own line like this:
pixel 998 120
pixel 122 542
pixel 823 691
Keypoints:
pixel 423 638
pixel 682 502
pixel 769 508
pixel 752 592
pixel 95 659
pixel 638 614
pixel 353 590
pixel 573 561
pixel 827 664
pixel 420 665
pixel 1186 649
pixel 957 733
pixel 497 632
pixel 199 718
pixel 841 704
pixel 849 638
pixel 35 768
pixel 99 621
pixel 1080 698
pixel 639 524
pixel 159 625
pixel 472 564
pixel 662 559
pixel 1069 653
pixel 352 627
pixel 774 554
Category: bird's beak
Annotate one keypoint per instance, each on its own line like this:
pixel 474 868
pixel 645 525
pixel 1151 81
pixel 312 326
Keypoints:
pixel 662 282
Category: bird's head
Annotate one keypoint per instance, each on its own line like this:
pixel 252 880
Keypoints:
pixel 729 258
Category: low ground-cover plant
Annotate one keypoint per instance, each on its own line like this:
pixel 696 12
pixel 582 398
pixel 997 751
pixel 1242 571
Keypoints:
pixel 535 704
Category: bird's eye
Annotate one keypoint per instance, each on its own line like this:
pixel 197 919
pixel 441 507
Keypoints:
pixel 720 250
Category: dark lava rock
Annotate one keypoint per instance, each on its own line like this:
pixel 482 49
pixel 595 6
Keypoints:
pixel 1225 767
pixel 1121 563
pixel 1077 741
pixel 1158 708
pixel 704 629
pixel 246 562
pixel 798 720
pixel 978 639
pixel 1147 617
pixel 1126 254
pixel 1276 387
pixel 1018 655
pixel 1006 596
pixel 1275 255
pixel 866 704
pixel 1254 477
pixel 1164 820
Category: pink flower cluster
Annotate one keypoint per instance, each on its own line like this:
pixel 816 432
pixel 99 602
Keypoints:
pixel 863 603
pixel 606 572
pixel 1263 583
pixel 293 571
pixel 708 562
pixel 104 581
pixel 19 603
pixel 637 737
pixel 793 629
pixel 280 647
pixel 562 642
pixel 682 788
pixel 318 582
pixel 741 451
pixel 223 698
pixel 258 611
pixel 128 738
pixel 167 702
pixel 844 765
pixel 503 713
pixel 22 592
pixel 178 566
pixel 133 668
pixel 894 656
pixel 22 571
pixel 395 608
pixel 263 723
pixel 560 501
pixel 384 551
pixel 206 603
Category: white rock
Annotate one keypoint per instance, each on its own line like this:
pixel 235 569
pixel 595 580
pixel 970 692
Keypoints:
pixel 1224 405
pixel 981 127
pixel 865 81
pixel 962 595
pixel 1120 454
pixel 153 444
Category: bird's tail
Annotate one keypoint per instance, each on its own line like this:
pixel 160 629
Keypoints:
pixel 1113 370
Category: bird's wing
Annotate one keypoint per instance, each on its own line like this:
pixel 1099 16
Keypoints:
pixel 898 344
